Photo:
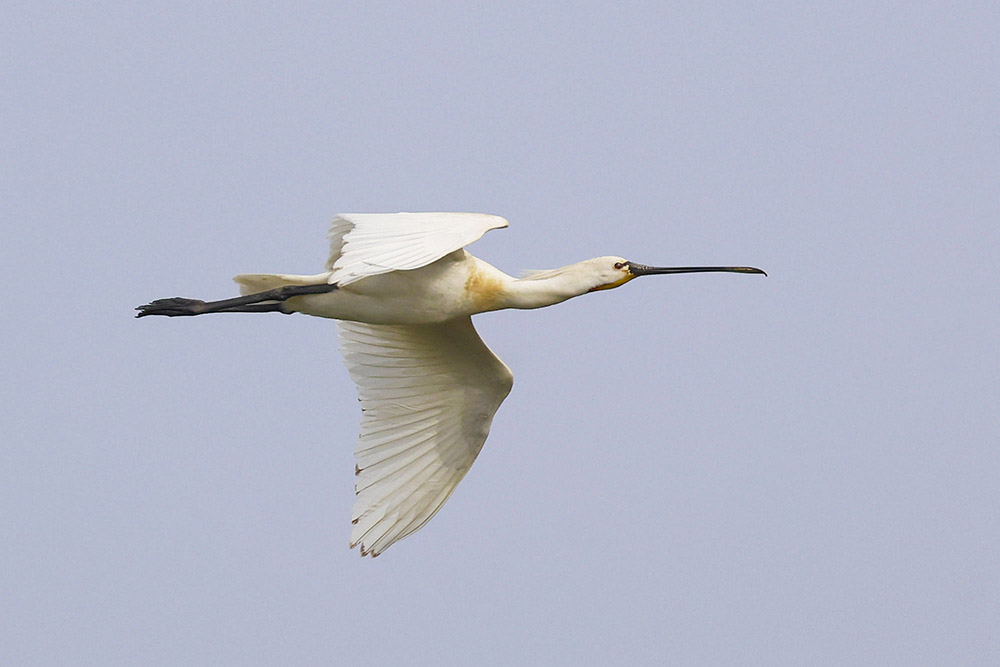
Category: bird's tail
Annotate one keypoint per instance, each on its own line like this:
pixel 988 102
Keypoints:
pixel 252 283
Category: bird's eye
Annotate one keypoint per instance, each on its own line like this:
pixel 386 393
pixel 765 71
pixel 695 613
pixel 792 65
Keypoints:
pixel 619 265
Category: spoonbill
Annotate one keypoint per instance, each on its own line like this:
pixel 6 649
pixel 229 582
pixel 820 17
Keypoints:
pixel 403 290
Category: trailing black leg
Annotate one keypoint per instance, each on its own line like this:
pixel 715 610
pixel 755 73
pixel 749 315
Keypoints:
pixel 262 302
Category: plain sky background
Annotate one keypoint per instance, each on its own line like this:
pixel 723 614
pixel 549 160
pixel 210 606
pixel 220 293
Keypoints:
pixel 703 469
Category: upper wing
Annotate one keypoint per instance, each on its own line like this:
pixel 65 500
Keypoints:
pixel 367 244
pixel 428 395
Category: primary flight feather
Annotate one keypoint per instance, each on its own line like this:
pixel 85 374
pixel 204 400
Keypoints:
pixel 404 290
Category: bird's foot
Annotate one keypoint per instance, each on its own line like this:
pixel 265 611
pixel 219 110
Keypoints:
pixel 172 307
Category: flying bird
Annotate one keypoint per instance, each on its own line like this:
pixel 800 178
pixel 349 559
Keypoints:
pixel 403 290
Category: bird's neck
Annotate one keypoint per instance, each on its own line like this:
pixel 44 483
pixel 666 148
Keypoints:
pixel 527 293
pixel 492 289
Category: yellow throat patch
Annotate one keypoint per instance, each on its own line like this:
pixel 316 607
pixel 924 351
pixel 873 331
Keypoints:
pixel 627 277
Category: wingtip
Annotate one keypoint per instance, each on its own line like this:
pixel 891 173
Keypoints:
pixel 365 551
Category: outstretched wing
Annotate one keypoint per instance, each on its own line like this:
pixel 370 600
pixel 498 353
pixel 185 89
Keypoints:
pixel 428 395
pixel 367 244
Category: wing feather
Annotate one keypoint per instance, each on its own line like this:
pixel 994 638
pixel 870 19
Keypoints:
pixel 428 395
pixel 368 244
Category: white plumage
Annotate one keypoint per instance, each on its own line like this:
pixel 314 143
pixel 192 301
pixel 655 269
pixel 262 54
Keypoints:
pixel 404 290
pixel 428 395
pixel 368 244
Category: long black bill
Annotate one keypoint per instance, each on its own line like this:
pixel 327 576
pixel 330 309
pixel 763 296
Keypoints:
pixel 643 270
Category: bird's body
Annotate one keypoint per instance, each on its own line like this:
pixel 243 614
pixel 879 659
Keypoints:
pixel 456 285
pixel 404 290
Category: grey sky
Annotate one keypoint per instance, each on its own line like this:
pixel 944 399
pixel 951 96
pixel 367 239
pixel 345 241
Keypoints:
pixel 704 469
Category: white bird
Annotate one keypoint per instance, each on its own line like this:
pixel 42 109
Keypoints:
pixel 404 290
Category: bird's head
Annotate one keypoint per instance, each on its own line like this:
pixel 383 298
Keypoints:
pixel 610 272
